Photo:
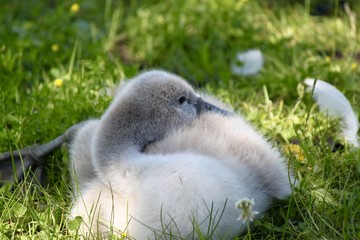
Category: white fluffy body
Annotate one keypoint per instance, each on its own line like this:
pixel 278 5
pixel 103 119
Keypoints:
pixel 192 177
pixel 237 145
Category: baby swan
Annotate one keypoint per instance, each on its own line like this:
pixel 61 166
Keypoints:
pixel 164 163
pixel 149 195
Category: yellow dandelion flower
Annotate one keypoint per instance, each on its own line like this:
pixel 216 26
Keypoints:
pixel 54 47
pixel 58 82
pixel 353 66
pixel 75 8
pixel 327 59
pixel 295 150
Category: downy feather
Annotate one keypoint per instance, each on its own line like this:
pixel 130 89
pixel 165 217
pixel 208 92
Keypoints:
pixel 335 104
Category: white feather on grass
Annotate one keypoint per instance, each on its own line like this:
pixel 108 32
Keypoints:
pixel 251 62
pixel 335 104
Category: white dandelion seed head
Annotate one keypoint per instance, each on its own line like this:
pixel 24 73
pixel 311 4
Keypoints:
pixel 246 206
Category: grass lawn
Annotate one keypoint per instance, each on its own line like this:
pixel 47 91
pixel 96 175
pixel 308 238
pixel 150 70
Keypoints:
pixel 58 61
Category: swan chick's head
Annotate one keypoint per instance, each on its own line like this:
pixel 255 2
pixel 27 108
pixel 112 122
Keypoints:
pixel 144 111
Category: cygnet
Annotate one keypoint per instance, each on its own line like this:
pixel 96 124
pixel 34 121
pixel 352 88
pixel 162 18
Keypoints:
pixel 161 162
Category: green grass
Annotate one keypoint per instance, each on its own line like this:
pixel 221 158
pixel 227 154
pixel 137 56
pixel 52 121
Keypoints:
pixel 105 41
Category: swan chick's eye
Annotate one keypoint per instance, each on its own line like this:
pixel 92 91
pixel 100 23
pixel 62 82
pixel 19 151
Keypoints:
pixel 182 99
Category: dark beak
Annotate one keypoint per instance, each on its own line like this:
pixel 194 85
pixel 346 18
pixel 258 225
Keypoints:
pixel 203 106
